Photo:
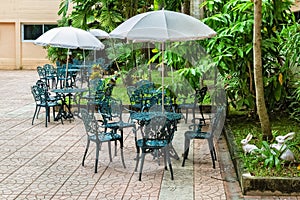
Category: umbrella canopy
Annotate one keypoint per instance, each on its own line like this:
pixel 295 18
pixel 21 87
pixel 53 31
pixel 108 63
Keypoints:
pixel 162 26
pixel 100 34
pixel 69 38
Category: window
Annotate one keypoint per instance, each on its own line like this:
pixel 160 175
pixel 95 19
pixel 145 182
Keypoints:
pixel 33 31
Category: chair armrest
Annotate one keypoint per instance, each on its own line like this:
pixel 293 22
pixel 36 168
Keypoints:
pixel 128 110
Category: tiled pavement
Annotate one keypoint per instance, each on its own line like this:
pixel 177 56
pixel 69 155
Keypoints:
pixel 45 163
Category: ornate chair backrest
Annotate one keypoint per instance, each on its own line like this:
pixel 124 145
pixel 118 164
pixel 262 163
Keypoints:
pixel 141 83
pixel 50 70
pixel 134 95
pixel 97 86
pixel 111 109
pixel 35 94
pixel 200 94
pixel 217 121
pixel 116 108
pixel 131 91
pixel 90 123
pixel 39 94
pixel 159 128
pixel 41 72
pixel 41 84
pixel 105 110
pixel 146 87
pixel 61 72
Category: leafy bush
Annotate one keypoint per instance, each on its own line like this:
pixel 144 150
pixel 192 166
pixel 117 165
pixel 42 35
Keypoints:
pixel 232 49
pixel 294 106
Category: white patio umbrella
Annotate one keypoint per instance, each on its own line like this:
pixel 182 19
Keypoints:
pixel 162 26
pixel 69 38
pixel 100 34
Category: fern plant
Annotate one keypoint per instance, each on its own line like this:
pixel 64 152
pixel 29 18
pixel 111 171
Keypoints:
pixel 294 99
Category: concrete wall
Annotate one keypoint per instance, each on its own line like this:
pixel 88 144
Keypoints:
pixel 15 53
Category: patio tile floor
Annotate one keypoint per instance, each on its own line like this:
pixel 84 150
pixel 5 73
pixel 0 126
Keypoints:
pixel 45 163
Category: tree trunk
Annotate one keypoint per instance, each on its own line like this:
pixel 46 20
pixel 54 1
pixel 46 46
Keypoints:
pixel 186 7
pixel 195 9
pixel 258 77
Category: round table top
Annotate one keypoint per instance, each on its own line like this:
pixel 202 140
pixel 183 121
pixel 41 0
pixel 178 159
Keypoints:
pixel 69 90
pixel 146 116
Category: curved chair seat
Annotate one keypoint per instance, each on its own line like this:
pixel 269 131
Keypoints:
pixel 119 125
pixel 105 137
pixel 152 144
pixel 197 135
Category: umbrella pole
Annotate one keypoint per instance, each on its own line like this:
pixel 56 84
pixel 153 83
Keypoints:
pixel 172 70
pixel 162 80
pixel 149 68
pixel 114 51
pixel 67 68
pixel 88 75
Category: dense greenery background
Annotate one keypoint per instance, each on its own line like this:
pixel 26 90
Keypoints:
pixel 231 50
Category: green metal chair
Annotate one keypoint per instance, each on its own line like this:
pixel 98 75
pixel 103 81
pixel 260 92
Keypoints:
pixel 42 73
pixel 95 133
pixel 50 75
pixel 111 111
pixel 43 99
pixel 199 134
pixel 61 79
pixel 197 99
pixel 157 135
pixel 135 98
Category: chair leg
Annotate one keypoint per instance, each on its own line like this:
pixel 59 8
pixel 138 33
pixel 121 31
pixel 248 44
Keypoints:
pixel 165 158
pixel 186 150
pixel 169 162
pixel 137 158
pixel 109 151
pixel 215 155
pixel 85 152
pixel 116 147
pixel 47 116
pixel 142 165
pixel 172 152
pixel 97 156
pixel 35 112
pixel 121 131
pixel 122 155
pixel 213 160
pixel 156 154
pixel 212 151
pixel 53 112
pixel 186 114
